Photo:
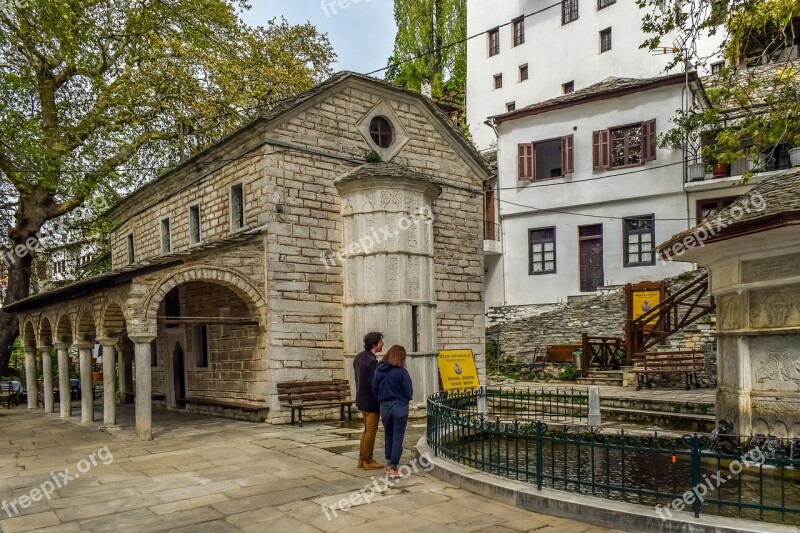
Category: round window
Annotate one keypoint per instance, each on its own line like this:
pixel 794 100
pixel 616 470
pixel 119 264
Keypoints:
pixel 380 129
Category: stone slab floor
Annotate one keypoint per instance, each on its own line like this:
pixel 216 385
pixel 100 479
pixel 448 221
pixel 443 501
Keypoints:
pixel 212 474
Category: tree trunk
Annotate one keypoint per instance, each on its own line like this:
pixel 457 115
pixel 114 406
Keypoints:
pixel 19 284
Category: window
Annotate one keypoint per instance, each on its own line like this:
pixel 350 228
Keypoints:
pixel 605 3
pixel 200 346
pixel 542 251
pixel 381 131
pixel 605 40
pixel 131 254
pixel 716 68
pixel 194 224
pixel 545 159
pixel 523 72
pixel 569 11
pixel 639 238
pixel 237 207
pixel 624 146
pixel 166 244
pixel 777 158
pixel 711 208
pixel 518 28
pixel 494 42
pixel 498 81
pixel 511 106
pixel 568 87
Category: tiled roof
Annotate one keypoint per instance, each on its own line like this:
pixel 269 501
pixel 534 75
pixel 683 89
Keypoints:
pixel 491 161
pixel 777 195
pixel 607 88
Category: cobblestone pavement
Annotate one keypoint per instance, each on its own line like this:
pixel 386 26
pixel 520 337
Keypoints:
pixel 212 474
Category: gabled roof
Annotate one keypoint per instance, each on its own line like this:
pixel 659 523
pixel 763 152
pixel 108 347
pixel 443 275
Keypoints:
pixel 773 203
pixel 606 89
pixel 288 105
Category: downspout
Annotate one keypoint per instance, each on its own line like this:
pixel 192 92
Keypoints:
pixel 685 108
pixel 492 125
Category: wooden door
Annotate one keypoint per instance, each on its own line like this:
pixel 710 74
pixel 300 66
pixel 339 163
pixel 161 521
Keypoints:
pixel 591 257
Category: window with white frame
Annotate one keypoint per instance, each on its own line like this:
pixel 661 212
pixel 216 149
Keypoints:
pixel 639 234
pixel 542 251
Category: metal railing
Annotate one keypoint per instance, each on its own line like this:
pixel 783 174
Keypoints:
pixel 752 478
pixel 491 231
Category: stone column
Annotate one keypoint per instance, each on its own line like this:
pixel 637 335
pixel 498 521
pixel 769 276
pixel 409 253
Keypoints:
pixel 109 393
pixel 30 377
pixel 65 394
pixel 121 375
pixel 87 394
pixel 47 376
pixel 144 407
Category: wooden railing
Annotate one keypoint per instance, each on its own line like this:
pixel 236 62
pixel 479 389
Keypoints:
pixel 598 351
pixel 671 315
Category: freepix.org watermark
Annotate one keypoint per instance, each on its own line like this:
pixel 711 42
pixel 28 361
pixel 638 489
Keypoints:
pixel 752 203
pixel 754 457
pixel 57 480
pixel 329 6
pixel 377 487
pixel 368 242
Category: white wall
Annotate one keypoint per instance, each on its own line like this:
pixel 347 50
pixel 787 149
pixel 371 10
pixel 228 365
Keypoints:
pixel 555 54
pixel 603 195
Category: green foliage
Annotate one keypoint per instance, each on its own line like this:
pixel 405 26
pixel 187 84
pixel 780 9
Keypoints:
pixel 569 373
pixel 373 157
pixel 758 30
pixel 424 49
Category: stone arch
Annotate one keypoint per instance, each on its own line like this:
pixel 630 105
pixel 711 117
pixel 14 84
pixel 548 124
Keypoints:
pixel 28 330
pixel 45 337
pixel 229 278
pixel 85 323
pixel 113 314
pixel 63 330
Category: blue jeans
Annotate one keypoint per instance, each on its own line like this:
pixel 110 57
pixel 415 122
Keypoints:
pixel 394 416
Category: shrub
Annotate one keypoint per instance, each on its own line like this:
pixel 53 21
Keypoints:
pixel 569 373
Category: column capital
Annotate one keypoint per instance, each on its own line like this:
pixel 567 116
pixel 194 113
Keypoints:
pixel 142 338
pixel 47 348
pixel 83 345
pixel 29 350
pixel 108 341
pixel 62 345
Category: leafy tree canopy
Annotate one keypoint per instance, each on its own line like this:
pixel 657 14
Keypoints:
pixel 99 95
pixel 754 102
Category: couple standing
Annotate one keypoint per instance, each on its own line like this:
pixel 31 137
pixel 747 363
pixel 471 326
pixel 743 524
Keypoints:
pixel 383 391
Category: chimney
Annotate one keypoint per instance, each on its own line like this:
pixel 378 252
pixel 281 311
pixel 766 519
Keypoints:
pixel 426 90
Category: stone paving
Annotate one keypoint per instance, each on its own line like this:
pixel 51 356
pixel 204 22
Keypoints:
pixel 213 474
pixel 694 396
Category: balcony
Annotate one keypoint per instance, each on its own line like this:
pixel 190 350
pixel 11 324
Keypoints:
pixel 491 239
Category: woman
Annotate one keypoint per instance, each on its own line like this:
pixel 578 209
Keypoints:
pixel 392 387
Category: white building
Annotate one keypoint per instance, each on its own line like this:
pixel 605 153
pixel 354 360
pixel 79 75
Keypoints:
pixel 532 52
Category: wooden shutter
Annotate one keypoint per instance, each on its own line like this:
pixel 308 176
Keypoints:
pixel 649 140
pixel 601 149
pixel 525 163
pixel 567 157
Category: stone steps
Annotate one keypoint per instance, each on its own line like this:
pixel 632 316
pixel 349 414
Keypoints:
pixel 602 377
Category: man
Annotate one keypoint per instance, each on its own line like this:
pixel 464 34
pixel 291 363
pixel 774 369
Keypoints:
pixel 364 366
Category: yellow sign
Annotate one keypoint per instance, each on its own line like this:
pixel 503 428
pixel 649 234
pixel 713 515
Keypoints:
pixel 457 369
pixel 644 301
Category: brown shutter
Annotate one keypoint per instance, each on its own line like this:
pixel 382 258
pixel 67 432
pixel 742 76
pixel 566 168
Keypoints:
pixel 567 158
pixel 525 162
pixel 649 140
pixel 600 150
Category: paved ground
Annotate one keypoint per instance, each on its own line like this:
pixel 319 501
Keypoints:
pixel 211 474
pixel 608 391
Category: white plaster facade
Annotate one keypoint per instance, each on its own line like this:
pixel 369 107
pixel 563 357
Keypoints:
pixel 586 197
pixel 555 53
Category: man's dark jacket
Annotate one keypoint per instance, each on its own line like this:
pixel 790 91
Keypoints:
pixel 364 365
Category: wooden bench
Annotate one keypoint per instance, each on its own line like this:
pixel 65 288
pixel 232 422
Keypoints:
pixel 562 353
pixel 300 395
pixel 686 362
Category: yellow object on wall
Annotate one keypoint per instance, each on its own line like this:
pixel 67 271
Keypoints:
pixel 457 370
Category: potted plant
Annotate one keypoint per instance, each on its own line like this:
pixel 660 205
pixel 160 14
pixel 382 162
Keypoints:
pixel 794 152
pixel 720 169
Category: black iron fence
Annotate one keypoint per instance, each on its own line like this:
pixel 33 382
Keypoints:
pixel 756 477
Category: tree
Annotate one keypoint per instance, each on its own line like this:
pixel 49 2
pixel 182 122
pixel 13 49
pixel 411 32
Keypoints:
pixel 99 95
pixel 430 46
pixel 754 103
